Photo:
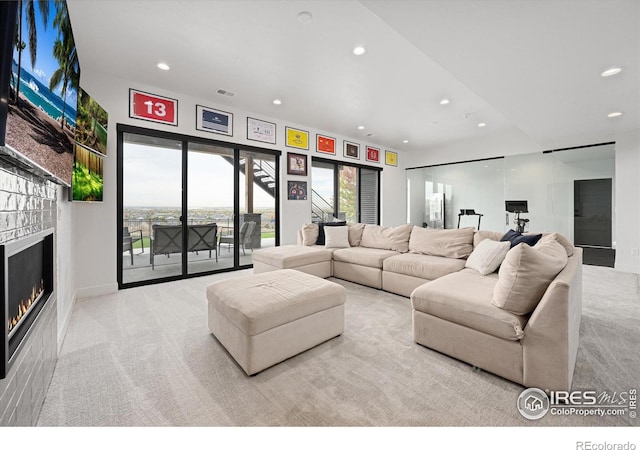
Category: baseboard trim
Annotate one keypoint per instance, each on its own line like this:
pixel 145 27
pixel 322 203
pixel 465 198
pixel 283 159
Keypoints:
pixel 631 268
pixel 95 291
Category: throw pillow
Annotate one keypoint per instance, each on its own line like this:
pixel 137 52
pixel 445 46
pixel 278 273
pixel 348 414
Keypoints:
pixel 487 256
pixel 355 233
pixel 321 226
pixel 336 237
pixel 525 274
pixel 515 237
pixel 566 243
pixel 310 233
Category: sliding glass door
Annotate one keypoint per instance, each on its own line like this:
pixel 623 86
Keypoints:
pixel 189 206
pixel 344 191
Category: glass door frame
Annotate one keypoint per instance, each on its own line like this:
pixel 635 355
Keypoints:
pixel 121 129
pixel 336 164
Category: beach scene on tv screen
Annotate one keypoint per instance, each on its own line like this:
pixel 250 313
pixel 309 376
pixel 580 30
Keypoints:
pixel 44 83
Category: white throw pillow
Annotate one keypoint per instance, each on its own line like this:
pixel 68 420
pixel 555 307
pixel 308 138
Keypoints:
pixel 310 233
pixel 488 256
pixel 336 237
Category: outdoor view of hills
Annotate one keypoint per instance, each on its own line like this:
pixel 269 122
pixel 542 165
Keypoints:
pixel 141 217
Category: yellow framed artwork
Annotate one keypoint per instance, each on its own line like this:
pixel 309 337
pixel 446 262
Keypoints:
pixel 297 138
pixel 391 158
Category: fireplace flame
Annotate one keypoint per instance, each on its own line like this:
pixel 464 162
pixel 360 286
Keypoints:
pixel 25 305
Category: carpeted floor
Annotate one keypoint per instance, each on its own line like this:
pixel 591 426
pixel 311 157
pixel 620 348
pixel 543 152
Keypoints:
pixel 145 357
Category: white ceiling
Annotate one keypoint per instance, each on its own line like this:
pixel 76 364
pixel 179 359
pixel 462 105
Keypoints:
pixel 531 66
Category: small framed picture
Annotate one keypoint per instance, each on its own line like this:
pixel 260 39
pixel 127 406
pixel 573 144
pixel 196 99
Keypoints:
pixel 296 164
pixel 297 138
pixel 390 158
pixel 260 130
pixel 297 190
pixel 351 150
pixel 325 144
pixel 373 154
pixel 214 121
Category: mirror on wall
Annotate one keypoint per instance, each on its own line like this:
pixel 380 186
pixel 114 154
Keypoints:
pixel 564 191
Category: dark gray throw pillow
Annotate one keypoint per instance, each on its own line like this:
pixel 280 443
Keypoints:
pixel 321 226
pixel 516 238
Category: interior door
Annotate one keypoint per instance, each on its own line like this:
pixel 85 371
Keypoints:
pixel 592 201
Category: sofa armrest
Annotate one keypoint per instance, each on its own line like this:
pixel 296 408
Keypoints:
pixel 551 337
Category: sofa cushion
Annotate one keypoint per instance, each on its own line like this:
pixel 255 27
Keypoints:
pixel 422 266
pixel 481 235
pixel 465 298
pixel 336 237
pixel 321 226
pixel 525 274
pixel 566 243
pixel 455 243
pixel 487 256
pixel 363 256
pixel 355 233
pixel 515 237
pixel 291 256
pixel 387 238
pixel 310 233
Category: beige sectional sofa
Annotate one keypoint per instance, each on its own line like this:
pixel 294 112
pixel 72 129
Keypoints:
pixel 520 322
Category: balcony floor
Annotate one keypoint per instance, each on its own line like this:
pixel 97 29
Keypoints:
pixel 167 266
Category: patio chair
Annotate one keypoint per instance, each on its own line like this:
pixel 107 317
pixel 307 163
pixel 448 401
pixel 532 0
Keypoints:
pixel 244 237
pixel 203 237
pixel 129 238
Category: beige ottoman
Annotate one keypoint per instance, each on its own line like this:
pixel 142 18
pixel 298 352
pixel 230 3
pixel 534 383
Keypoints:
pixel 263 319
pixel 312 260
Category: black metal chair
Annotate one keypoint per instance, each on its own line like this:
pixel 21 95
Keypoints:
pixel 244 237
pixel 129 238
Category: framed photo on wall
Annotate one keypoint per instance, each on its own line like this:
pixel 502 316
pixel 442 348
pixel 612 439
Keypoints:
pixel 296 190
pixel 325 144
pixel 296 164
pixel 214 121
pixel 373 154
pixel 390 158
pixel 260 130
pixel 351 150
pixel 297 138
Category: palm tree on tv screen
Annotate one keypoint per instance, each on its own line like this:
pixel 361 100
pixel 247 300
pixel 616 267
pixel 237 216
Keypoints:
pixel 64 50
pixel 29 9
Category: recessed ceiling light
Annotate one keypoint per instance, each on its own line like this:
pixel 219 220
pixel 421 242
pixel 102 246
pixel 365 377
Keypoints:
pixel 359 51
pixel 163 66
pixel 305 17
pixel 361 127
pixel 406 141
pixel 614 114
pixel 445 101
pixel 611 71
pixel 482 124
pixel 277 102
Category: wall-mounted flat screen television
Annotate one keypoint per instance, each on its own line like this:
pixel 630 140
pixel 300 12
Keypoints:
pixel 44 80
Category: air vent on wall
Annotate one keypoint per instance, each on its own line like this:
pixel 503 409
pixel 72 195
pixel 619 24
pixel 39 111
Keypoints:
pixel 227 93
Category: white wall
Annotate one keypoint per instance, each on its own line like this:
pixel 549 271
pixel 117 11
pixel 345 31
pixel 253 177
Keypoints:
pixel 627 212
pixel 95 223
pixel 65 262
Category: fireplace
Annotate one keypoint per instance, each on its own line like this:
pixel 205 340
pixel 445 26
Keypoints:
pixel 27 284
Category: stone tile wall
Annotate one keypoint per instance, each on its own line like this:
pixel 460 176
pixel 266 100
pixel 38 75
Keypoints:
pixel 28 205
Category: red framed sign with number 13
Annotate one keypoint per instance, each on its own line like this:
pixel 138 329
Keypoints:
pixel 155 108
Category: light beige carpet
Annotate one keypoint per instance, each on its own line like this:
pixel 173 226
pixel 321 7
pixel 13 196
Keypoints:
pixel 145 357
